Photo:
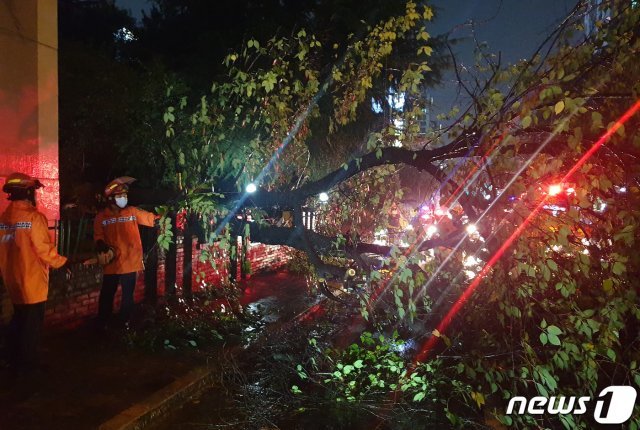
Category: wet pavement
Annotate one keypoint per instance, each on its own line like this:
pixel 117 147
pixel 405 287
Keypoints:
pixel 87 378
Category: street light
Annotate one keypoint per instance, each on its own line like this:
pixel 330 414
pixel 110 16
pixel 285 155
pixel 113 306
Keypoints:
pixel 323 197
pixel 471 228
pixel 251 188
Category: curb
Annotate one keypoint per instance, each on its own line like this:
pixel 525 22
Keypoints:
pixel 169 398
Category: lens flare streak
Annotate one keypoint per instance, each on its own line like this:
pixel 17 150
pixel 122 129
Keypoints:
pixel 446 321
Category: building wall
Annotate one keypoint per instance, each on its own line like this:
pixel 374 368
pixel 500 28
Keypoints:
pixel 75 301
pixel 29 96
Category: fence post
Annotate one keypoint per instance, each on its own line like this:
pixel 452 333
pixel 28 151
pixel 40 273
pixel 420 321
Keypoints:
pixel 170 261
pixel 149 243
pixel 187 256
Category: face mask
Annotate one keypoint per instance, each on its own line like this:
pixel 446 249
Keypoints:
pixel 121 202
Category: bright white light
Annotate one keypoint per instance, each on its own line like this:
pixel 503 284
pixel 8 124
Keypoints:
pixel 571 190
pixel 323 197
pixel 409 227
pixel 600 206
pixel 251 188
pixel 124 35
pixel 555 189
pixel 375 106
pixel 396 100
pixel 471 261
pixel 432 229
pixel 471 228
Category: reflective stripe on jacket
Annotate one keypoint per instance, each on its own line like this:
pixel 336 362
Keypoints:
pixel 119 229
pixel 26 252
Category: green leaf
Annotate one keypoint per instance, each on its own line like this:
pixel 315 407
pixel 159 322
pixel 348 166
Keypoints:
pixel 554 340
pixel 543 338
pixel 596 120
pixel 552 329
pixel 618 268
pixel 419 396
pixel 506 420
pixel 357 364
pixel 526 121
pixel 559 107
pixel 543 391
pixel 549 380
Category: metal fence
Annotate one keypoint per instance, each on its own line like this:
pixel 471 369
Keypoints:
pixel 74 237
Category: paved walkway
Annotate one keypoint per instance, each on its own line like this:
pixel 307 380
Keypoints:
pixel 89 379
pixel 85 381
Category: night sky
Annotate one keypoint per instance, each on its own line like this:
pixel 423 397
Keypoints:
pixel 513 27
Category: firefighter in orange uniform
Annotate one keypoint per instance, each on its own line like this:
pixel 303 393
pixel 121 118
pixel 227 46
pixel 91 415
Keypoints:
pixel 116 232
pixel 26 253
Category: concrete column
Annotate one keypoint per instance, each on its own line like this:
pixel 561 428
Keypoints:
pixel 29 96
pixel 29 102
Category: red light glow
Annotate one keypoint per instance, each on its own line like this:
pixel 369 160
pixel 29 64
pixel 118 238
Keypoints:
pixel 430 343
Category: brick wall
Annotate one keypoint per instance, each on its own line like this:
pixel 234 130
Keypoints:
pixel 265 257
pixel 72 302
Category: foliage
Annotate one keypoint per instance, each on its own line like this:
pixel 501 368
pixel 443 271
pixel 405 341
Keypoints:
pixel 561 301
pixel 372 368
pixel 196 324
pixel 558 313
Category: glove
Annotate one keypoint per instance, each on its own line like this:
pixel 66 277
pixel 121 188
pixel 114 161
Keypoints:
pixel 106 257
pixel 101 246
pixel 66 268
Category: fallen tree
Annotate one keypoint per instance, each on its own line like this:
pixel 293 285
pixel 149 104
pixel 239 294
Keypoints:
pixel 542 167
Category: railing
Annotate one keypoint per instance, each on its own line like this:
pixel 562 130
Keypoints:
pixel 74 236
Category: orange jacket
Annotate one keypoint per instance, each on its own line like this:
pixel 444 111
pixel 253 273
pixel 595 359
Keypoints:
pixel 119 229
pixel 26 252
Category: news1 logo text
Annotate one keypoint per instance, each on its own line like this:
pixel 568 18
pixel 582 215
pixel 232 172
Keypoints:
pixel 614 405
